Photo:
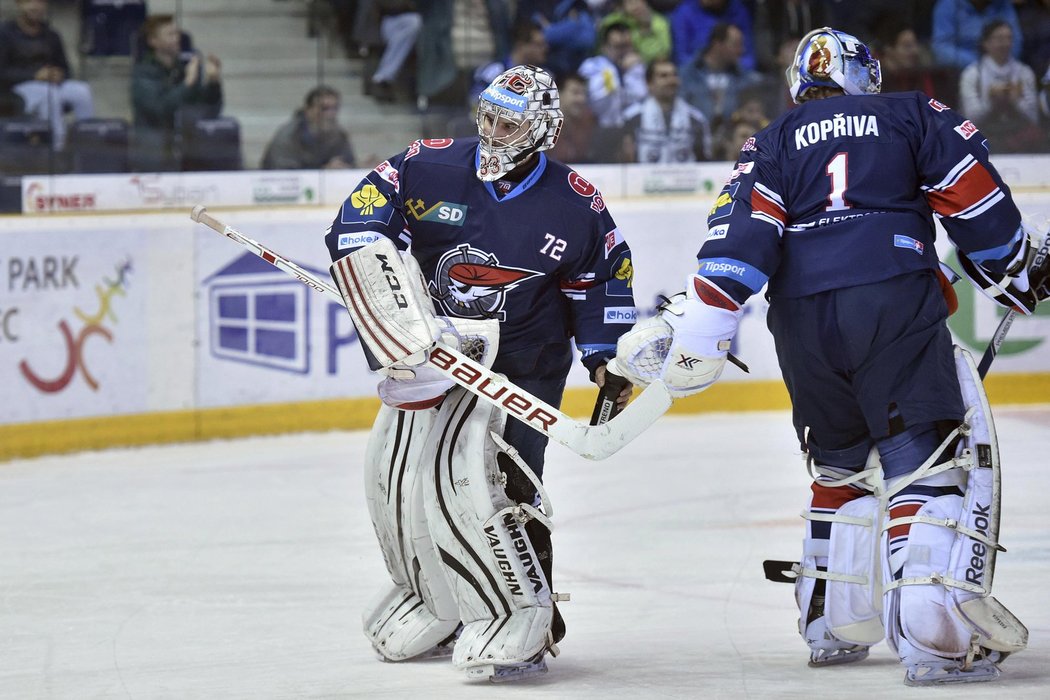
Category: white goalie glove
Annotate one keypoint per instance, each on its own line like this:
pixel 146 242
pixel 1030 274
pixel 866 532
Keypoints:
pixel 685 344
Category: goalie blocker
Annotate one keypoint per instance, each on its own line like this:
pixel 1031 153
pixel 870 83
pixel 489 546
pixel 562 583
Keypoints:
pixel 385 293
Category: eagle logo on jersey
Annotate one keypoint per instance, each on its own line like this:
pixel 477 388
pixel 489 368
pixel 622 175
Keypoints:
pixel 367 199
pixel 470 283
pixel 819 64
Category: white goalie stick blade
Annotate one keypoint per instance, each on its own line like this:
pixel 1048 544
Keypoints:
pixel 589 441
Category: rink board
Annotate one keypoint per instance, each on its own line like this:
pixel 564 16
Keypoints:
pixel 138 327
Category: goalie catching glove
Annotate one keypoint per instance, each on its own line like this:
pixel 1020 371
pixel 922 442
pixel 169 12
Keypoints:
pixel 685 344
pixel 1027 278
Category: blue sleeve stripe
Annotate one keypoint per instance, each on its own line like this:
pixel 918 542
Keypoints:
pixel 751 277
pixel 997 253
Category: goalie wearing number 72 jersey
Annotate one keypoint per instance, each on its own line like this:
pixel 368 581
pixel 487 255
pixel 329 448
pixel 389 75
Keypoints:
pixel 519 251
pixel 831 209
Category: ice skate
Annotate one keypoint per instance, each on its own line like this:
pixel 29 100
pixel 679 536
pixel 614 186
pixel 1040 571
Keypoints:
pixel 926 669
pixel 826 650
pixel 503 673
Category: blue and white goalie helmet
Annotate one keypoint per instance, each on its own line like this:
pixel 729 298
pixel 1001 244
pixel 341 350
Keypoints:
pixel 830 58
pixel 519 114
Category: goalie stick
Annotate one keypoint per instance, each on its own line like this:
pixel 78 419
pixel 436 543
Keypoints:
pixel 591 442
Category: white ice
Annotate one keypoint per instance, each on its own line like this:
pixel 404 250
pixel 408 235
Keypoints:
pixel 239 570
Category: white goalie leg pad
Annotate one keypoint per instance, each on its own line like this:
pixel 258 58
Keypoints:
pixel 422 386
pixel 942 605
pixel 417 612
pixel 503 595
pixel 851 619
pixel 386 296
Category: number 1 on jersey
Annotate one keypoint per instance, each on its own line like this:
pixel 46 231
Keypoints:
pixel 838 171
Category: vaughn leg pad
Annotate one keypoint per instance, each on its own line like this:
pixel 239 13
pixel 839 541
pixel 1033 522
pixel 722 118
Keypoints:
pixel 503 596
pixel 417 612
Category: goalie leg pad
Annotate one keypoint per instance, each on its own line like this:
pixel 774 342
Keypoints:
pixel 417 612
pixel 387 299
pixel 503 595
pixel 940 614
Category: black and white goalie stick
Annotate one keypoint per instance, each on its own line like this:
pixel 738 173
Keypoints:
pixel 589 441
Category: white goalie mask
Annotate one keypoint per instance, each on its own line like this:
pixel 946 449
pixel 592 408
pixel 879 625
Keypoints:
pixel 519 114
pixel 830 58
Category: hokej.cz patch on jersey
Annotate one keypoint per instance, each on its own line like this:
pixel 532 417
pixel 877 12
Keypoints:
pixel 622 280
pixel 366 205
pixel 748 275
pixel 471 283
pixel 620 314
pixel 723 206
pixel 442 212
pixel 357 240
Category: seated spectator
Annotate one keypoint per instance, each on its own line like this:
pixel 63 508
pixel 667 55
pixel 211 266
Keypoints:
pixel 778 98
pixel 167 92
pixel 906 65
pixel 615 77
pixel 714 80
pixel 778 20
pixel 693 21
pixel 1034 18
pixel 650 31
pixel 664 128
pixel 576 142
pixel 33 65
pixel 957 26
pixel 399 27
pixel 313 138
pixel 569 27
pixel 732 136
pixel 528 47
pixel 998 93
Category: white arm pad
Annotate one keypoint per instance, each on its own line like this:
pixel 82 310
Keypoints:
pixel 686 343
pixel 387 299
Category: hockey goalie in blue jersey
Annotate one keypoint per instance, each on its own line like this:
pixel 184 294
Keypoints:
pixel 514 255
pixel 831 209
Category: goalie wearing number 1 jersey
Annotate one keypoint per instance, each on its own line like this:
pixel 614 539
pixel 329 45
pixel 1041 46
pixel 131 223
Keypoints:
pixel 512 255
pixel 831 209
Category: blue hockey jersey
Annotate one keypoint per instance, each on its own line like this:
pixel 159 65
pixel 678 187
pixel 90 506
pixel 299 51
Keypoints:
pixel 841 192
pixel 545 258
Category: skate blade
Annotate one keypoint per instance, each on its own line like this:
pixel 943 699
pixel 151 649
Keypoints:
pixel 924 675
pixel 838 657
pixel 504 674
pixel 438 652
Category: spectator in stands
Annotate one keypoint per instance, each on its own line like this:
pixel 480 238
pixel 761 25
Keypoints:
pixel 33 65
pixel 906 65
pixel 569 27
pixel 1034 18
pixel 167 92
pixel 713 81
pixel 693 21
pixel 998 93
pixel 313 138
pixel 732 137
pixel 576 142
pixel 399 25
pixel 664 128
pixel 957 26
pixel 650 31
pixel 528 48
pixel 776 20
pixel 778 98
pixel 615 77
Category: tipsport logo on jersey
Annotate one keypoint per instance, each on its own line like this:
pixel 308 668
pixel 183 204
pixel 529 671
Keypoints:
pixel 470 283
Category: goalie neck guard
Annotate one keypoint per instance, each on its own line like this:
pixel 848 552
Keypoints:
pixel 519 114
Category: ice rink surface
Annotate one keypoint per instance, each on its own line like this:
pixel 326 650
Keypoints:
pixel 239 570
